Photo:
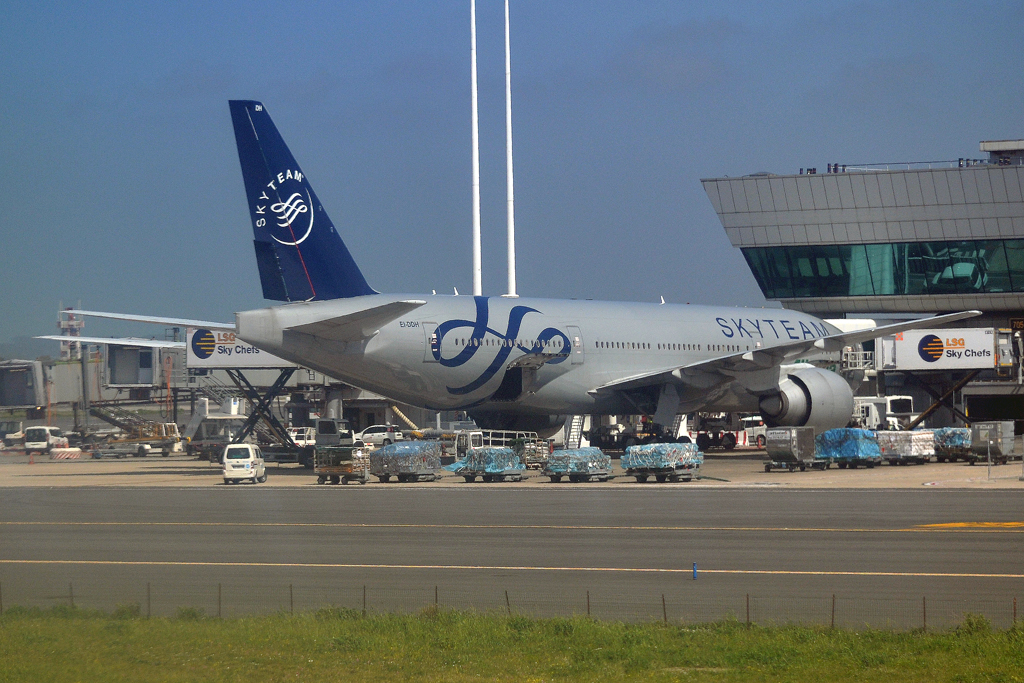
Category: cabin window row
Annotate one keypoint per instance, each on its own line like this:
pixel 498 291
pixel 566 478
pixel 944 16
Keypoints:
pixel 549 344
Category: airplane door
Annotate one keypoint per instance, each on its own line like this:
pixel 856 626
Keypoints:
pixel 575 345
pixel 430 341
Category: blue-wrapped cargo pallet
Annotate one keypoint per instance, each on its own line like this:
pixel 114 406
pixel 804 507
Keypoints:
pixel 579 464
pixel 407 461
pixel 492 464
pixel 848 448
pixel 665 461
pixel 952 443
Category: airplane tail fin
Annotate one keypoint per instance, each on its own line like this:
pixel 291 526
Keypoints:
pixel 300 255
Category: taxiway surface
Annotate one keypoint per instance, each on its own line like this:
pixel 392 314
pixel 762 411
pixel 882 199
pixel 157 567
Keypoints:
pixel 884 554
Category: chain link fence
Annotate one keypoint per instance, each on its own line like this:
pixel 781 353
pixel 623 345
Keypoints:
pixel 246 598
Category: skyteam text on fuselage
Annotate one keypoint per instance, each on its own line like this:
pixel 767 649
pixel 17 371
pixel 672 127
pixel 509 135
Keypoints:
pixel 516 362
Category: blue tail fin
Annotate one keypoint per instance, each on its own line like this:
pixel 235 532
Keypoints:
pixel 300 255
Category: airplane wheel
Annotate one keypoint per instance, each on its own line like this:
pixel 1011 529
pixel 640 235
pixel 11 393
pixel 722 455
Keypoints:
pixel 641 478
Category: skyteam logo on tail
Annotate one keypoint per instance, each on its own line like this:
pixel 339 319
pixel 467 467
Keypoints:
pixel 290 207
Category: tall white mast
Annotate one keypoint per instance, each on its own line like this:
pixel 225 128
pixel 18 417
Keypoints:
pixel 477 276
pixel 508 164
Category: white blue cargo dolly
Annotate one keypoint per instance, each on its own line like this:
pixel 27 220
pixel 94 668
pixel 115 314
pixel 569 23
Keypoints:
pixel 490 464
pixel 407 461
pixel 663 461
pixel 579 465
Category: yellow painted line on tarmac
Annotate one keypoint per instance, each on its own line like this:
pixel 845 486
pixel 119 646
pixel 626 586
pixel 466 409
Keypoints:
pixel 983 525
pixel 999 527
pixel 476 567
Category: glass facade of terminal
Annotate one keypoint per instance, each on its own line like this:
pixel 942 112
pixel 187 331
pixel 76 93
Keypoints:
pixel 906 268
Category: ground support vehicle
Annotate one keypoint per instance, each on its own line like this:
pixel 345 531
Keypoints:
pixel 619 437
pixel 44 439
pixel 407 461
pixel 140 440
pixel 302 436
pixel 11 432
pixel 285 453
pixel 993 440
pixel 663 461
pixel 579 465
pixel 491 464
pixel 952 444
pixel 530 448
pixel 848 448
pixel 340 464
pixel 243 462
pixel 379 435
pixel 904 448
pixel 792 448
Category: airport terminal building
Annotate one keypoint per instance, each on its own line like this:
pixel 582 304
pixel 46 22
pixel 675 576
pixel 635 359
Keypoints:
pixel 927 237
pixel 883 240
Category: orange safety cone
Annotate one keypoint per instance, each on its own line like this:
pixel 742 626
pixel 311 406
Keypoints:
pixel 31 459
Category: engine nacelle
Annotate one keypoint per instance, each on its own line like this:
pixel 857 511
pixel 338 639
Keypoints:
pixel 809 397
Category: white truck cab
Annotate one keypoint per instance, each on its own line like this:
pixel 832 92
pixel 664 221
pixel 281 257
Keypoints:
pixel 243 462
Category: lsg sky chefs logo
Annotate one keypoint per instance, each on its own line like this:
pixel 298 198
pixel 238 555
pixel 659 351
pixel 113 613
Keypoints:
pixel 203 344
pixel 932 348
pixel 289 208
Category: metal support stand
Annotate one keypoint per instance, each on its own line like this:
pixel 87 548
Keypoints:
pixel 261 405
pixel 940 401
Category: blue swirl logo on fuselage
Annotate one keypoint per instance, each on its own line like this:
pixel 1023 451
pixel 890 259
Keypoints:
pixel 508 341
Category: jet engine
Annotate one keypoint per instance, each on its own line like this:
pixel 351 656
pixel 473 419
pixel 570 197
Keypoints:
pixel 809 397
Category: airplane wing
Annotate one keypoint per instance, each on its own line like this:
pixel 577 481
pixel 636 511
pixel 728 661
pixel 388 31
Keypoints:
pixel 120 341
pixel 172 322
pixel 759 359
pixel 360 325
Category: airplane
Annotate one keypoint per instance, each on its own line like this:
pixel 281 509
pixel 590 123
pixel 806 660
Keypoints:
pixel 517 363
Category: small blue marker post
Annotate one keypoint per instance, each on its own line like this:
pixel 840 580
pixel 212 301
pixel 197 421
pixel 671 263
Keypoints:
pixel 694 571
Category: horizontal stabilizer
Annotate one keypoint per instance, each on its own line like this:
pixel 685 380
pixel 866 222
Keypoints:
pixel 170 322
pixel 119 341
pixel 360 325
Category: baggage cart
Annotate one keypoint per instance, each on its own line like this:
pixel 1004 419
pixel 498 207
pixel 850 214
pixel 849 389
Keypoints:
pixel 340 464
pixel 904 448
pixel 848 448
pixel 407 461
pixel 579 465
pixel 952 444
pixel 993 439
pixel 491 464
pixel 663 461
pixel 792 448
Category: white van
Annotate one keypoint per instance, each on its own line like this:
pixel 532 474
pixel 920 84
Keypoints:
pixel 42 439
pixel 243 462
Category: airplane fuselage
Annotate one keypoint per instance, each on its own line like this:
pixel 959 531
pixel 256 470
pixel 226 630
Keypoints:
pixel 462 352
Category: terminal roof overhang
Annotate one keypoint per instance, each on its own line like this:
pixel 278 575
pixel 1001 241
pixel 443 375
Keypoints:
pixel 952 237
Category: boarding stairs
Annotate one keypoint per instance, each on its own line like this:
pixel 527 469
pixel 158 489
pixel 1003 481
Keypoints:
pixel 574 432
pixel 677 424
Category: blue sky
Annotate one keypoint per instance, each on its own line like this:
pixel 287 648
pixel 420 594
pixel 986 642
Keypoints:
pixel 122 188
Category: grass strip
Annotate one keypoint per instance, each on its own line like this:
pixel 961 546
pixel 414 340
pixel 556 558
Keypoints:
pixel 66 644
